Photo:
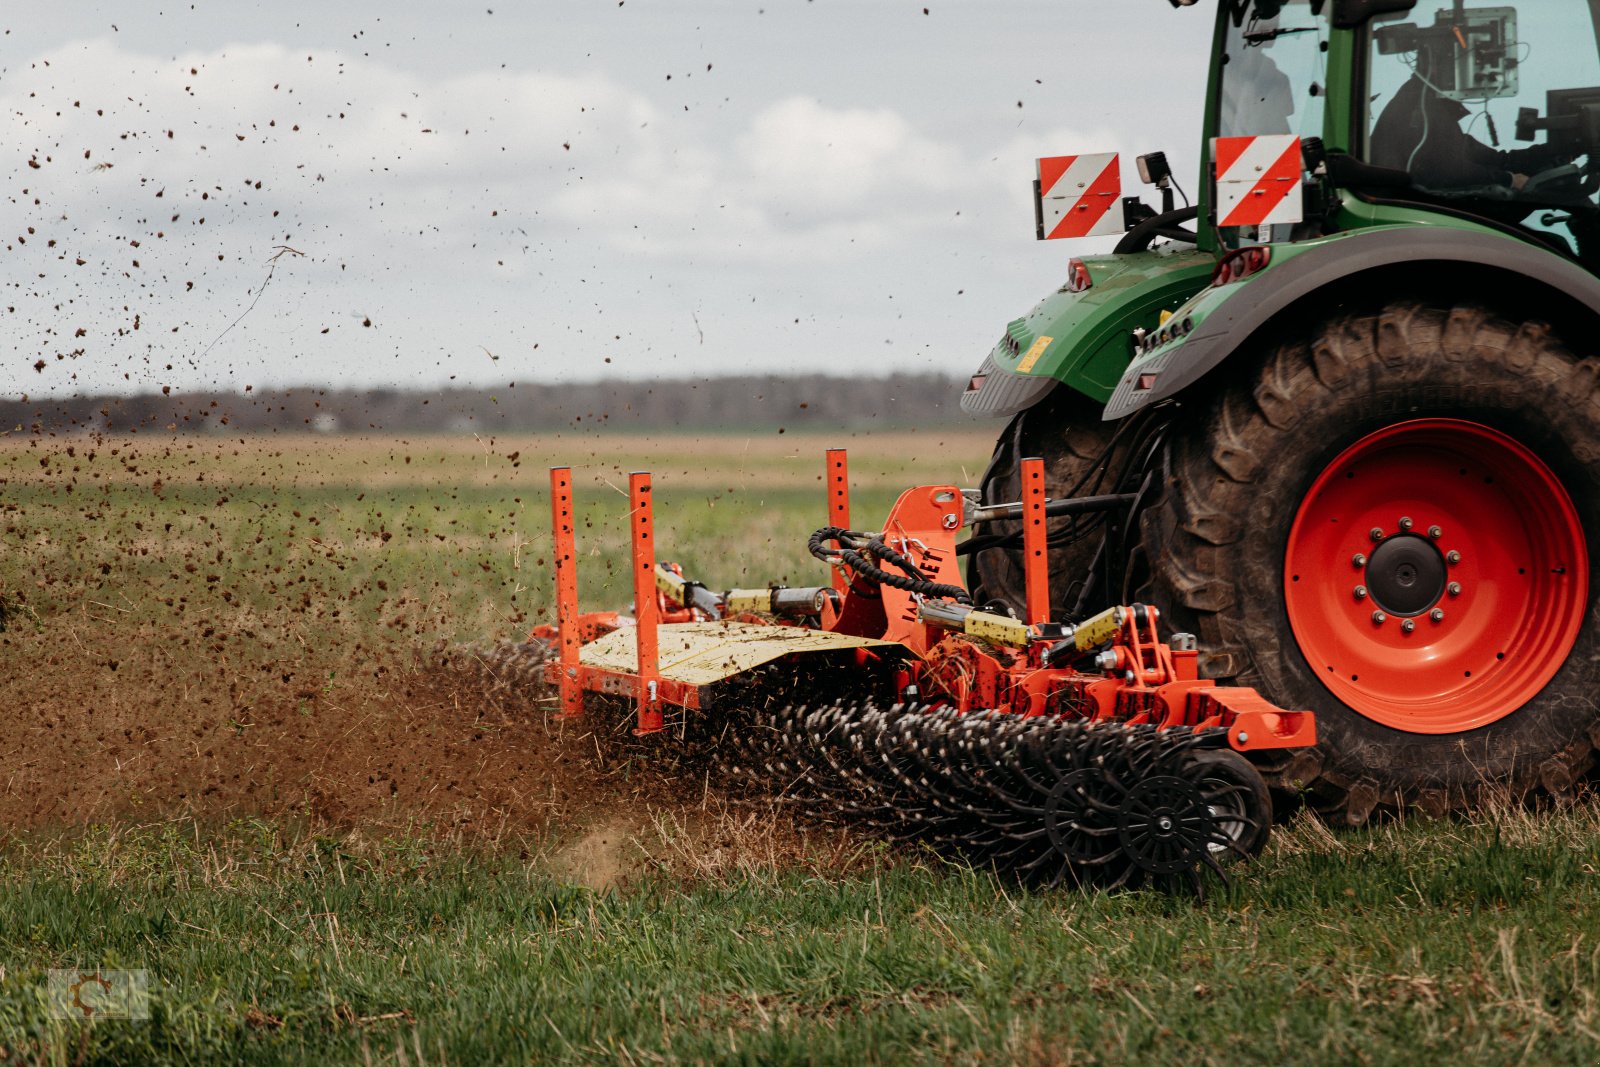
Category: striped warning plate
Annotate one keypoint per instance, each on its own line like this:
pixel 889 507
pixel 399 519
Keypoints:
pixel 1258 179
pixel 1080 196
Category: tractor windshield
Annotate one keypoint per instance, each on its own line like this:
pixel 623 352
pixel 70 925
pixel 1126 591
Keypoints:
pixel 1496 109
pixel 1273 70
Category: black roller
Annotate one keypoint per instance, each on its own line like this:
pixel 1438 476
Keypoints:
pixel 1051 801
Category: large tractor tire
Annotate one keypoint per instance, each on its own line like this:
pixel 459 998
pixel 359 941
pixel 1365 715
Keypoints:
pixel 1066 431
pixel 1386 524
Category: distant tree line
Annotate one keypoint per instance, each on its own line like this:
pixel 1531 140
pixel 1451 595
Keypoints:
pixel 797 403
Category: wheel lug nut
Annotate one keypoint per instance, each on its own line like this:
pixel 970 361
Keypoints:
pixel 1452 557
pixel 1376 533
pixel 1379 617
pixel 1361 592
pixel 1358 560
pixel 1435 532
pixel 1437 615
pixel 1408 626
pixel 1454 588
pixel 1405 522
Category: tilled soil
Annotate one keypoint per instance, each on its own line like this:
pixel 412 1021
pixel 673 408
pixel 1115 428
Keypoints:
pixel 105 721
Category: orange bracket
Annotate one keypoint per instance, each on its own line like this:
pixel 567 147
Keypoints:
pixel 568 636
pixel 642 520
pixel 839 503
pixel 1035 543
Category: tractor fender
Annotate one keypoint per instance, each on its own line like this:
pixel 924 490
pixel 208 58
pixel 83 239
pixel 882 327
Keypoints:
pixel 1348 269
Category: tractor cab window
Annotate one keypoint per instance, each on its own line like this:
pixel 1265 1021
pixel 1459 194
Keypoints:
pixel 1273 69
pixel 1495 109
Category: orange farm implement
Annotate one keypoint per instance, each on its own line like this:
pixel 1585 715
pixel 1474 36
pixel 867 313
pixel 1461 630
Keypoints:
pixel 1068 752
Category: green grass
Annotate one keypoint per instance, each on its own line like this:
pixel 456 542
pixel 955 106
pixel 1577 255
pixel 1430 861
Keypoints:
pixel 1384 946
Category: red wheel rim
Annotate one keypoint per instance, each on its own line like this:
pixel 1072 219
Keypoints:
pixel 1436 576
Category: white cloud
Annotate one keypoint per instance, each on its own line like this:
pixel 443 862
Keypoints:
pixel 817 159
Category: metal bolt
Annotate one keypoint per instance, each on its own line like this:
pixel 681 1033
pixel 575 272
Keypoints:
pixel 1376 533
pixel 1358 560
pixel 1244 738
pixel 1361 592
pixel 1405 522
pixel 1437 615
pixel 1379 617
pixel 1435 532
pixel 1454 588
pixel 1407 625
pixel 1452 557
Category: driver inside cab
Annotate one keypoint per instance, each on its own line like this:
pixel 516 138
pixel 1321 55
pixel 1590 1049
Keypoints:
pixel 1420 133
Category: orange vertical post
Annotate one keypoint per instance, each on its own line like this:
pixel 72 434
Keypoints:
pixel 642 520
pixel 566 590
pixel 1035 542
pixel 838 478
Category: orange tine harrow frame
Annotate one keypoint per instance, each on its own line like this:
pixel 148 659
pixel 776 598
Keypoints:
pixel 838 479
pixel 566 589
pixel 1035 543
pixel 646 616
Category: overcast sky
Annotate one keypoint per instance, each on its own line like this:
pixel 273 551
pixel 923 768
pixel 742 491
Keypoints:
pixel 550 190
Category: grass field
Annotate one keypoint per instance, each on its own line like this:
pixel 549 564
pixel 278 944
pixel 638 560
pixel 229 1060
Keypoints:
pixel 231 760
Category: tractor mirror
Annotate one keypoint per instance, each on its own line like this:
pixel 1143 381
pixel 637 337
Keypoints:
pixel 1349 14
pixel 1396 39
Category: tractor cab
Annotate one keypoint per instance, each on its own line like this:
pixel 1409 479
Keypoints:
pixel 1324 118
pixel 1485 113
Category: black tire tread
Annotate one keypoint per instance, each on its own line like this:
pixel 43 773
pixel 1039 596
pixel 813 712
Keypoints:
pixel 1066 431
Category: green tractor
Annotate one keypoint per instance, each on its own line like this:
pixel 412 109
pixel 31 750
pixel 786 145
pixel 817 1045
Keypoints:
pixel 1342 411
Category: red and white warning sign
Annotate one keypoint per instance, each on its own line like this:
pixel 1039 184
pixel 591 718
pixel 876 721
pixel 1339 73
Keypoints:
pixel 1258 179
pixel 1080 196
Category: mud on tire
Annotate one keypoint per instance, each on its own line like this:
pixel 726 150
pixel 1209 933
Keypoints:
pixel 1242 468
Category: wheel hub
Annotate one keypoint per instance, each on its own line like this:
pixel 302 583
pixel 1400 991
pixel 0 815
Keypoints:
pixel 1436 576
pixel 1406 575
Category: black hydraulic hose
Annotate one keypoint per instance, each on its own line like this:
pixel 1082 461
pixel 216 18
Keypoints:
pixel 858 550
pixel 1162 225
pixel 1073 506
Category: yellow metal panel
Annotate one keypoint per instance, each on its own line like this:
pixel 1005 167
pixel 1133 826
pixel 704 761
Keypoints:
pixel 1030 357
pixel 755 600
pixel 1097 629
pixel 997 629
pixel 670 584
pixel 698 653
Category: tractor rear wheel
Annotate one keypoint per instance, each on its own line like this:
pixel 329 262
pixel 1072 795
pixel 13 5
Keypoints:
pixel 1386 525
pixel 1066 431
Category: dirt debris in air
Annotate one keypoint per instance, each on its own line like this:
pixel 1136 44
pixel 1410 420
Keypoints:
pixel 377 740
pixel 106 724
